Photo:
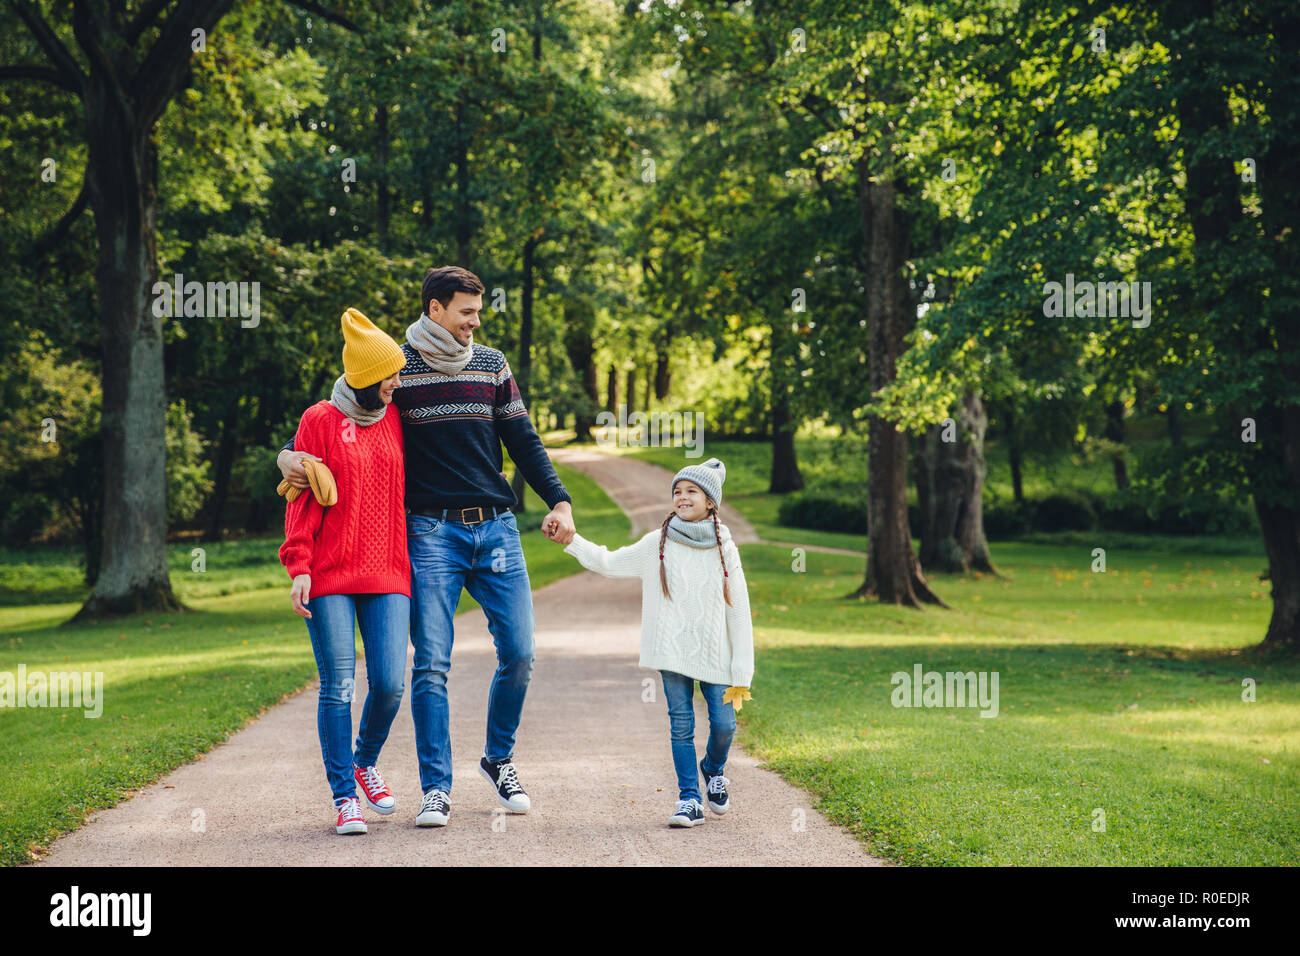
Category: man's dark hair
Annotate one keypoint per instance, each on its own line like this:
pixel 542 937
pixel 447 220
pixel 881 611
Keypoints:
pixel 368 397
pixel 444 282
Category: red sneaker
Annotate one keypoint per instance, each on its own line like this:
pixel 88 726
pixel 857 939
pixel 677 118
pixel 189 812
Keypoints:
pixel 350 817
pixel 376 791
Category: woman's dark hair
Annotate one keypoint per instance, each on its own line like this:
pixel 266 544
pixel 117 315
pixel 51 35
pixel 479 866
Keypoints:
pixel 443 284
pixel 368 397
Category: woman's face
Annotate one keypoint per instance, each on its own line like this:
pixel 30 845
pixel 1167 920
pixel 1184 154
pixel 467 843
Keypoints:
pixel 386 387
pixel 689 501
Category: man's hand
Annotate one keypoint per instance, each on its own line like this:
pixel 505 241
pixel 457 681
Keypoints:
pixel 290 464
pixel 558 523
pixel 300 594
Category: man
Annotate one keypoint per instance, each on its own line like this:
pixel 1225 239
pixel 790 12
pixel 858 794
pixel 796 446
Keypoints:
pixel 458 403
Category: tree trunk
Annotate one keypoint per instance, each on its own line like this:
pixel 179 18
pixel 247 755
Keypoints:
pixel 578 344
pixel 1275 474
pixel 785 465
pixel 631 389
pixel 1213 206
pixel 611 390
pixel 1174 419
pixel 221 479
pixel 1279 519
pixel 1115 432
pixel 123 175
pixel 893 573
pixel 663 374
pixel 1015 455
pixel 952 474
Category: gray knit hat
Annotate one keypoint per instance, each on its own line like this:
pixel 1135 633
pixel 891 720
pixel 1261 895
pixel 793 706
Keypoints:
pixel 710 475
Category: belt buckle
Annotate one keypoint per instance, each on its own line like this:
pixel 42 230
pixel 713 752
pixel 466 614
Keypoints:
pixel 480 515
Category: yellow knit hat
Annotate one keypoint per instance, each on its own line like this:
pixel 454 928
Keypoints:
pixel 369 353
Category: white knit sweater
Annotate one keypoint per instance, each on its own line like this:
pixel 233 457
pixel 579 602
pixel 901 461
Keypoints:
pixel 694 633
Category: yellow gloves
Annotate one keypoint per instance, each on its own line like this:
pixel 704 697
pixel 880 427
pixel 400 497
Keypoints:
pixel 735 696
pixel 319 478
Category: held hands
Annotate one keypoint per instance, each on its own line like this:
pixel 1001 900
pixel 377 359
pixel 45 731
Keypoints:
pixel 558 524
pixel 300 594
pixel 736 696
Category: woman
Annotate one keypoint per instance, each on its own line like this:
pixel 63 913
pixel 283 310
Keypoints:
pixel 349 564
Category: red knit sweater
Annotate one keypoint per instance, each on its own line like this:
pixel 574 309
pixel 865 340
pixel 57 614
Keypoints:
pixel 357 546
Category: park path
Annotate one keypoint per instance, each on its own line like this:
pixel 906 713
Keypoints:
pixel 593 756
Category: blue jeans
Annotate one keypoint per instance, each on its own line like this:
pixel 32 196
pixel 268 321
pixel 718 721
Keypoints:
pixel 486 560
pixel 384 619
pixel 679 691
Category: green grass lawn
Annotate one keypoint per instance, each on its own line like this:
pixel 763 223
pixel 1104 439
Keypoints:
pixel 1119 691
pixel 176 684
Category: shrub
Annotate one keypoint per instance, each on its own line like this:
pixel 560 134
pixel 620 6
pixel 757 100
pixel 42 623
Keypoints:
pixel 1006 519
pixel 1064 511
pixel 823 512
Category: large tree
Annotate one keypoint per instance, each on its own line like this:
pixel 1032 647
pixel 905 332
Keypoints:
pixel 133 61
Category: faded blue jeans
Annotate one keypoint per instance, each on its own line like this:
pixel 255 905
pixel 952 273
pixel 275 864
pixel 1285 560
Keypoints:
pixel 485 559
pixel 384 620
pixel 679 692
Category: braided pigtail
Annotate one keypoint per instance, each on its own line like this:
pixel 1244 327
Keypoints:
pixel 726 591
pixel 663 575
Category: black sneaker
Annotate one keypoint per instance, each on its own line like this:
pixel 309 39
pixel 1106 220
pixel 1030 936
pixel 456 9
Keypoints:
pixel 688 813
pixel 502 776
pixel 435 809
pixel 715 791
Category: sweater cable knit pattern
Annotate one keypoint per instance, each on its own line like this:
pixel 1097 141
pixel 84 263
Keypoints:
pixel 357 546
pixel 696 633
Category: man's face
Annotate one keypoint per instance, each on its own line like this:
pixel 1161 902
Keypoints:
pixel 460 317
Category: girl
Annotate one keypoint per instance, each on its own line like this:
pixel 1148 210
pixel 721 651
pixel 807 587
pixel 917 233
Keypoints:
pixel 349 563
pixel 695 625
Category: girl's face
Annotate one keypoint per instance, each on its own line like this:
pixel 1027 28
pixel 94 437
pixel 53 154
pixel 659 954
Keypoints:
pixel 690 502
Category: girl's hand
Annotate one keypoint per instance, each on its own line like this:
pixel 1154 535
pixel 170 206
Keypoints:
pixel 736 696
pixel 300 594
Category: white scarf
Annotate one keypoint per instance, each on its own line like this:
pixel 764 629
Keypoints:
pixel 438 347
pixel 345 401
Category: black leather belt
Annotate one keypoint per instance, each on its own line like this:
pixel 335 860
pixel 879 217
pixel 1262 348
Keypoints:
pixel 474 514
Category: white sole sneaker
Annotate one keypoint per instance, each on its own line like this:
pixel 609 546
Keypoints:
pixel 685 822
pixel 519 803
pixel 432 818
pixel 376 807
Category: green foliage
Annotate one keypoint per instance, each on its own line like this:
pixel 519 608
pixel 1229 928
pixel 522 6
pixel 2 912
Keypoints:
pixel 823 512
pixel 188 481
pixel 1064 512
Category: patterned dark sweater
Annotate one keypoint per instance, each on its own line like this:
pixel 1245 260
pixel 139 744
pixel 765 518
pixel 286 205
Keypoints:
pixel 453 426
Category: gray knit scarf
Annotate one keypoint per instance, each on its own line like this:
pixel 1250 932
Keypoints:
pixel 345 401
pixel 438 347
pixel 697 534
